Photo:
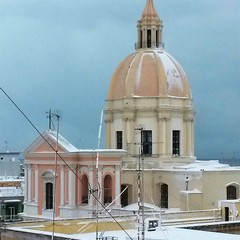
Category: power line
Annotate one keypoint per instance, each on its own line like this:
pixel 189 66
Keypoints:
pixel 90 190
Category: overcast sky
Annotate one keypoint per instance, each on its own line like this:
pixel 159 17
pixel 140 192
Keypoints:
pixel 61 54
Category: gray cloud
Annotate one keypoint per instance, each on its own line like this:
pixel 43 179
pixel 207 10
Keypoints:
pixel 61 54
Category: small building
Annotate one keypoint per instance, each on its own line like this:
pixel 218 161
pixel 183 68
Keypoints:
pixel 84 179
pixel 11 185
pixel 230 209
pixel 11 164
pixel 11 198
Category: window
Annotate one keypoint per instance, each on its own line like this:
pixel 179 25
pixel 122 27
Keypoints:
pixel 149 39
pixel 231 192
pixel 49 195
pixel 85 185
pixel 164 196
pixel 107 189
pixel 48 179
pixel 141 39
pixel 146 140
pixel 124 195
pixel 119 139
pixel 176 142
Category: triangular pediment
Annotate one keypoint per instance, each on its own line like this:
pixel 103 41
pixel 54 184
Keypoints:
pixel 49 142
pixel 49 146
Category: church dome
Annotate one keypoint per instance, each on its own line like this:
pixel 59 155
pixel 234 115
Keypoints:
pixel 149 91
pixel 149 73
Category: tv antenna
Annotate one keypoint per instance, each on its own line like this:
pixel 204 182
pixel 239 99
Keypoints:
pixel 51 115
pixel 51 126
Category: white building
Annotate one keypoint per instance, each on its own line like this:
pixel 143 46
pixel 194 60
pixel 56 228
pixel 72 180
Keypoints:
pixel 150 112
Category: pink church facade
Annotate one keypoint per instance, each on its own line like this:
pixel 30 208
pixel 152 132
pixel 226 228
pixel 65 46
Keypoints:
pixel 78 186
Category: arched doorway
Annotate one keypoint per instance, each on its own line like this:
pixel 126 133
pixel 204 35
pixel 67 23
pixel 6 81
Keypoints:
pixel 107 198
pixel 84 189
pixel 48 179
pixel 49 195
pixel 231 192
pixel 164 195
pixel 124 196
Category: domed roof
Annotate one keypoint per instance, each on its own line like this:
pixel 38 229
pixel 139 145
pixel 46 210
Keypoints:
pixel 149 73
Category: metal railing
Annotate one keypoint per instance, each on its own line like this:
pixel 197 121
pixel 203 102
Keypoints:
pixel 149 44
pixel 11 218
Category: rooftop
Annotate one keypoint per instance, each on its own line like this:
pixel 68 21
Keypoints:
pixel 85 230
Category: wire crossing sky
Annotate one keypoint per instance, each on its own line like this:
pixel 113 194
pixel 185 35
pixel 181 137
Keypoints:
pixel 62 54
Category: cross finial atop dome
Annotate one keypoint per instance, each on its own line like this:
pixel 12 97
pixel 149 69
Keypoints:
pixel 149 10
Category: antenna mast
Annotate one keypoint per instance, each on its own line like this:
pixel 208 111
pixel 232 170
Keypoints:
pixel 49 116
pixel 140 184
pixel 57 116
pixel 97 173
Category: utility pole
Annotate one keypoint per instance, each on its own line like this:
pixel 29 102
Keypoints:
pixel 140 183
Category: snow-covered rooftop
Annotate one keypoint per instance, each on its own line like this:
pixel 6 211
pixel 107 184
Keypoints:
pixel 164 233
pixel 62 141
pixel 210 165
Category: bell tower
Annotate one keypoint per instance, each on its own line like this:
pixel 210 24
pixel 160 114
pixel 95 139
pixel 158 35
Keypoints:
pixel 149 28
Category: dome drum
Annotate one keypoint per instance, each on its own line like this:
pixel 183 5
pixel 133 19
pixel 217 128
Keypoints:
pixel 145 103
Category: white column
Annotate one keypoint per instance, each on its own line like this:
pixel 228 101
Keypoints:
pixel 131 150
pixel 36 185
pixel 62 187
pixel 129 130
pixel 192 138
pixel 162 136
pixel 189 131
pixel 168 137
pixel 26 184
pixel 117 186
pixel 144 30
pixel 188 137
pixel 125 134
pixel 160 35
pixel 153 37
pixel 29 184
pixel 109 142
pixel 72 187
pixel 185 138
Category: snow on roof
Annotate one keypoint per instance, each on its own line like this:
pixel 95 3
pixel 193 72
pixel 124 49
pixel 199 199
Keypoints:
pixel 11 179
pixel 172 72
pixel 134 207
pixel 11 192
pixel 102 151
pixel 210 165
pixel 12 200
pixel 163 233
pixel 62 141
pixel 191 191
pixel 166 233
pixel 70 148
